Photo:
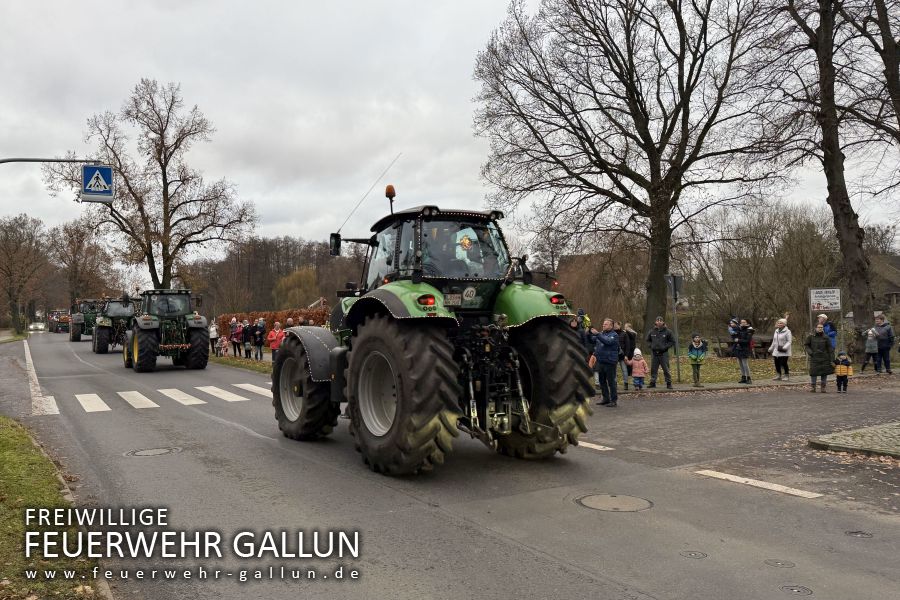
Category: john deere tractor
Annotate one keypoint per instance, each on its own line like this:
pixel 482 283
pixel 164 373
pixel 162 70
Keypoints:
pixel 84 318
pixel 446 332
pixel 165 324
pixel 113 323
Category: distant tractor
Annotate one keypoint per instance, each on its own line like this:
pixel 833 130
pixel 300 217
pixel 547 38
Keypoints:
pixel 84 318
pixel 165 324
pixel 113 323
pixel 58 320
pixel 446 332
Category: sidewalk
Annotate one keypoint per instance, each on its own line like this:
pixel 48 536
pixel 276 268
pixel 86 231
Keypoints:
pixel 6 334
pixel 880 440
pixel 794 381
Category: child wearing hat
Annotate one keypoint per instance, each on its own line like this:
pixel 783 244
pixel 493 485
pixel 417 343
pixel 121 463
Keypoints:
pixel 842 371
pixel 696 355
pixel 639 368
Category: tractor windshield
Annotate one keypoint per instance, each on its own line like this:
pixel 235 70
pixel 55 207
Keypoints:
pixel 463 249
pixel 170 306
pixel 119 309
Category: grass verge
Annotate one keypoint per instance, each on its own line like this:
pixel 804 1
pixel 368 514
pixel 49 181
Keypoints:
pixel 15 338
pixel 28 480
pixel 726 370
pixel 264 367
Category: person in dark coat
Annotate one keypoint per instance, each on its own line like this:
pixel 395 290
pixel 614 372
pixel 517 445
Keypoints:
pixel 821 357
pixel 884 335
pixel 247 335
pixel 604 361
pixel 626 350
pixel 661 340
pixel 259 338
pixel 740 348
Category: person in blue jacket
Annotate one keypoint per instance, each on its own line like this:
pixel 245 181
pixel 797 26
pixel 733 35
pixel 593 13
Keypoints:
pixel 829 329
pixel 604 360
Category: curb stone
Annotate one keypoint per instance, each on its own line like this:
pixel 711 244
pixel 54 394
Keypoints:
pixel 877 440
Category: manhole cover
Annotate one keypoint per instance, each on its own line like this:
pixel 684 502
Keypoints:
pixel 153 451
pixel 693 554
pixel 614 503
pixel 859 534
pixel 781 564
pixel 796 590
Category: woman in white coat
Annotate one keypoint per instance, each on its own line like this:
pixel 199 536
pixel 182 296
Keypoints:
pixel 781 350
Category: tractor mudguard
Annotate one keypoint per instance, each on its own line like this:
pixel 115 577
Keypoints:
pixel 522 302
pixel 147 322
pixel 400 300
pixel 194 322
pixel 318 343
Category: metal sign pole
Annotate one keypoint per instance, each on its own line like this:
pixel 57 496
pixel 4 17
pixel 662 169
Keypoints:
pixel 677 341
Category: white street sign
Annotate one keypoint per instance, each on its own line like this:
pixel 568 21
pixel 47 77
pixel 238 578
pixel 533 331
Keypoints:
pixel 824 299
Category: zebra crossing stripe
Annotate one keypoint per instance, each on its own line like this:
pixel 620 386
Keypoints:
pixel 222 394
pixel 91 402
pixel 138 400
pixel 181 397
pixel 256 389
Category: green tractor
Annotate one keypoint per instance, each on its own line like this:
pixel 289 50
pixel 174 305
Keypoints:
pixel 165 324
pixel 84 317
pixel 113 323
pixel 446 333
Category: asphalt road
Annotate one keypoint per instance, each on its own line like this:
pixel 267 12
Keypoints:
pixel 484 525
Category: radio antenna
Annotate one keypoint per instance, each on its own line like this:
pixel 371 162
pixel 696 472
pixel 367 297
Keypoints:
pixel 369 191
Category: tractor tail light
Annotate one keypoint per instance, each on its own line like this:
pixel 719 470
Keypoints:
pixel 557 299
pixel 426 300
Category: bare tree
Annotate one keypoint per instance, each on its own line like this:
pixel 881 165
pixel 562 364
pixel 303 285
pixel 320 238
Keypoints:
pixel 23 257
pixel 812 42
pixel 626 115
pixel 76 248
pixel 163 208
pixel 877 99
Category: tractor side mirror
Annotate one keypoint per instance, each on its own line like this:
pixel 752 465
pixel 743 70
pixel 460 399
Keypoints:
pixel 334 244
pixel 352 286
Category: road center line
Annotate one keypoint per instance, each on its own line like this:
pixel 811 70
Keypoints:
pixel 595 446
pixel 760 484
pixel 40 404
pixel 256 389
pixel 220 393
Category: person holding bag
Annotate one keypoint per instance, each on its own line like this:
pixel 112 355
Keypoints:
pixel 780 349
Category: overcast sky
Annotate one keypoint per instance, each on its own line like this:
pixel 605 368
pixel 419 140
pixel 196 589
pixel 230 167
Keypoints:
pixel 311 100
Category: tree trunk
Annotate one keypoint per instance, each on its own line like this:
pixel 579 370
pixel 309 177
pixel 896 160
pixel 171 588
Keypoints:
pixel 890 56
pixel 660 245
pixel 846 221
pixel 14 314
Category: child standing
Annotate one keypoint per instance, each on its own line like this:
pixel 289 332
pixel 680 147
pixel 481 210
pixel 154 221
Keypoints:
pixel 223 346
pixel 696 355
pixel 639 369
pixel 871 349
pixel 842 371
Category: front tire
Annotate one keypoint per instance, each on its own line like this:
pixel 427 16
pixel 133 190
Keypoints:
pixel 198 354
pixel 75 332
pixel 558 384
pixel 403 394
pixel 144 348
pixel 303 407
pixel 102 335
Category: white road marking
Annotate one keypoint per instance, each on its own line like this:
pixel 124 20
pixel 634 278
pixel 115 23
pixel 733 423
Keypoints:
pixel 181 397
pixel 91 403
pixel 220 393
pixel 40 404
pixel 255 389
pixel 595 446
pixel 760 484
pixel 138 400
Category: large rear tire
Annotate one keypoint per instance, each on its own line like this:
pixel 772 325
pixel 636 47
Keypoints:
pixel 198 354
pixel 403 395
pixel 558 384
pixel 144 348
pixel 102 336
pixel 303 407
pixel 75 332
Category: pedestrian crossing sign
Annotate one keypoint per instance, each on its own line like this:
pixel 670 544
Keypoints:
pixel 97 184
